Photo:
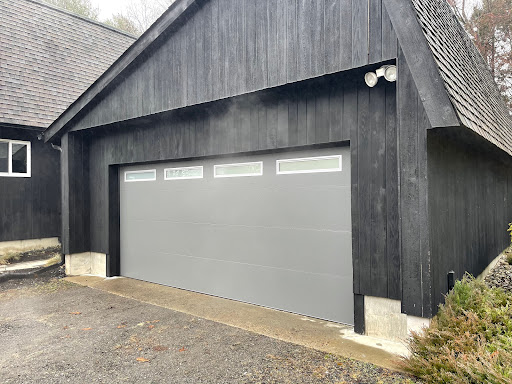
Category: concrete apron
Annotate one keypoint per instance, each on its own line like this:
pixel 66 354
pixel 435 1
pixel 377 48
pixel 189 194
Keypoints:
pixel 322 335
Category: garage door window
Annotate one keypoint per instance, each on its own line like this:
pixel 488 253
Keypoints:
pixel 309 165
pixel 133 176
pixel 183 173
pixel 239 169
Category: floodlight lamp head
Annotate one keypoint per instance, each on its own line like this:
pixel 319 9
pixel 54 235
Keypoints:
pixel 371 79
pixel 390 73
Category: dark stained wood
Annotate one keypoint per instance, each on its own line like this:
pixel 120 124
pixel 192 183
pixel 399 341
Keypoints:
pixel 218 49
pixel 392 200
pixel 378 191
pixel 30 207
pixel 389 39
pixel 375 38
pixel 114 248
pixel 359 33
pixel 421 62
pixel 333 35
pixel 359 322
pixel 469 207
pixel 413 197
pixel 363 178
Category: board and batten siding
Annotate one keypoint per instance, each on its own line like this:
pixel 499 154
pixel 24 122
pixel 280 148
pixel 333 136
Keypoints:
pixel 470 204
pixel 337 109
pixel 224 48
pixel 30 207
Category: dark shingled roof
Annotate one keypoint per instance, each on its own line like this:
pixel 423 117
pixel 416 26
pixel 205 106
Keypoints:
pixel 466 76
pixel 49 57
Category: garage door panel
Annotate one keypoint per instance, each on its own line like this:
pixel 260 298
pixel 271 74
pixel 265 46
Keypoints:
pixel 282 241
pixel 290 208
pixel 282 289
pixel 273 247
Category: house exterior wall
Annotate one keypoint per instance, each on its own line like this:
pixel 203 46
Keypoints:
pixel 470 205
pixel 30 207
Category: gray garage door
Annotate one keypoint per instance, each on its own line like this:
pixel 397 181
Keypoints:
pixel 272 230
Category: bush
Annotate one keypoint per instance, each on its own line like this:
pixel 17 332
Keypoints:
pixel 469 340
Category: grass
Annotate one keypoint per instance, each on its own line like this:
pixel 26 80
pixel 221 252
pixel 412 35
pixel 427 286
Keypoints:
pixel 469 340
pixel 55 259
pixel 8 257
pixel 508 255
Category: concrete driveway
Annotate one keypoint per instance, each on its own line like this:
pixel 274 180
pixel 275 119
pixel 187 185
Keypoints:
pixel 55 331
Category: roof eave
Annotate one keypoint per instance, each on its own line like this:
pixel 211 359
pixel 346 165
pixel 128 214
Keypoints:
pixel 421 62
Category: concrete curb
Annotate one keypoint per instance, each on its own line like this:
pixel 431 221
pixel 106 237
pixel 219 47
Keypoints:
pixel 27 275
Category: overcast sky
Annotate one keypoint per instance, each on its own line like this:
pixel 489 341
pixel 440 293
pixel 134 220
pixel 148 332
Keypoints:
pixel 109 7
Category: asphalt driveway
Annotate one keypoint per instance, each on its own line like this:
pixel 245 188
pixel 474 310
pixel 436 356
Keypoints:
pixel 53 331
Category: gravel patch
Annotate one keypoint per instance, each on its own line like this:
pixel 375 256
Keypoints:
pixel 501 275
pixel 33 280
pixel 53 331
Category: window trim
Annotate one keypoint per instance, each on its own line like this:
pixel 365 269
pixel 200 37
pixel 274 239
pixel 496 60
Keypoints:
pixel 184 178
pixel 239 175
pixel 9 172
pixel 139 171
pixel 324 170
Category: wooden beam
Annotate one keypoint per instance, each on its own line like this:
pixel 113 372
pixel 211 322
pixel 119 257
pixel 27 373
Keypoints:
pixel 420 60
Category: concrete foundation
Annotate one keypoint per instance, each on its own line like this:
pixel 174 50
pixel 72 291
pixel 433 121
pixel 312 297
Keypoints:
pixel 27 245
pixel 384 319
pixel 87 263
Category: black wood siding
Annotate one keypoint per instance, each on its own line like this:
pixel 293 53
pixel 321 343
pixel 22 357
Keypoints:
pixel 231 47
pixel 30 207
pixel 470 205
pixel 333 109
pixel 412 164
pixel 75 195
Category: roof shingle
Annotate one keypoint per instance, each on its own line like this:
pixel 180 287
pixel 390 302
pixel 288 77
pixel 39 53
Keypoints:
pixel 467 78
pixel 49 57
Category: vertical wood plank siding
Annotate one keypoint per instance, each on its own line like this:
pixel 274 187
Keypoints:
pixel 231 47
pixel 412 164
pixel 470 204
pixel 30 207
pixel 336 109
pixel 75 196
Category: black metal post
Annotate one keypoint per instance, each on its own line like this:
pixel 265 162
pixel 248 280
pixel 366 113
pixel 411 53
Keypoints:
pixel 451 280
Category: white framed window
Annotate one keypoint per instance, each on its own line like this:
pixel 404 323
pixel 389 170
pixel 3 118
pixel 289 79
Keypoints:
pixel 15 158
pixel 309 165
pixel 135 176
pixel 183 173
pixel 238 169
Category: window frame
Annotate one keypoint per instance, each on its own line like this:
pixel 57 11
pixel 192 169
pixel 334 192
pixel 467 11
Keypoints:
pixel 9 172
pixel 140 171
pixel 184 178
pixel 304 159
pixel 240 175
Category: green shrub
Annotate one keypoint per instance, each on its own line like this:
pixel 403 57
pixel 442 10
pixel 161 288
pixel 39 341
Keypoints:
pixel 469 340
pixel 510 231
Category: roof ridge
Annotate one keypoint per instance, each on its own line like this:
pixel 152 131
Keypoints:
pixel 87 19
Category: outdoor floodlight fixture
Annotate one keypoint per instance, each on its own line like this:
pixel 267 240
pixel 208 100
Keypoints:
pixel 387 71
